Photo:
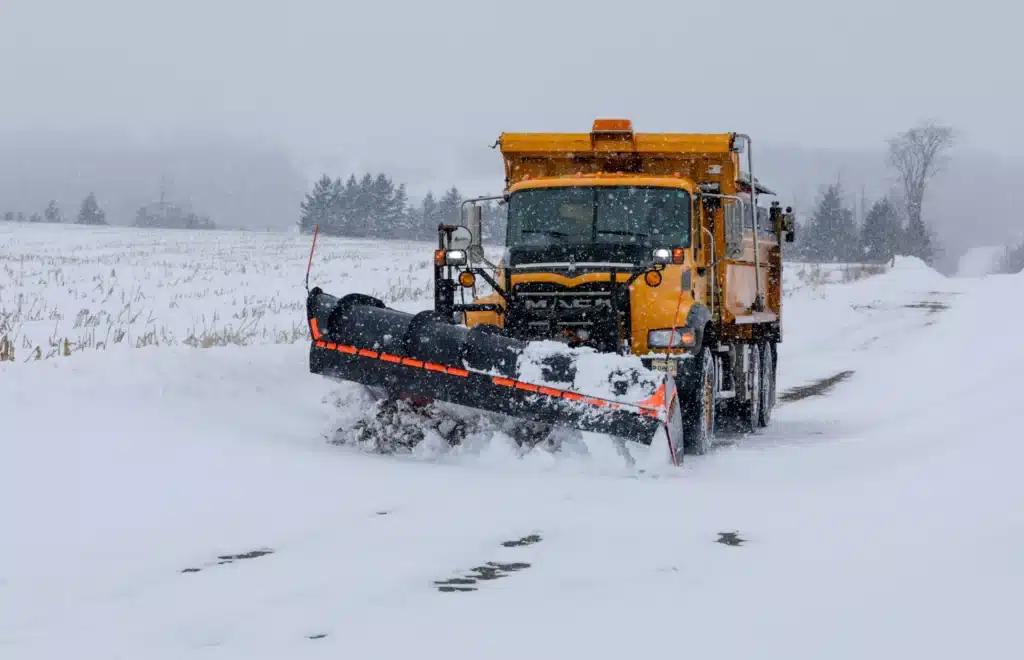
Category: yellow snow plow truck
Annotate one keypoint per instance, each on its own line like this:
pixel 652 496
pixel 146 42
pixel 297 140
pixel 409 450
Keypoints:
pixel 638 294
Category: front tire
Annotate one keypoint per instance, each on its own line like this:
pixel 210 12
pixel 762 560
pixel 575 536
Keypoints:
pixel 700 416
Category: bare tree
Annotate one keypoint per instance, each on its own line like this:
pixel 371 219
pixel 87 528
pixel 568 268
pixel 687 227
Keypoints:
pixel 918 154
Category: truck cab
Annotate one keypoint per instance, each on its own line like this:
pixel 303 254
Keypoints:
pixel 649 244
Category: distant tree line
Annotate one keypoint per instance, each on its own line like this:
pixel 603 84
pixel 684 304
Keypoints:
pixel 373 206
pixel 832 234
pixel 169 215
pixel 895 223
pixel 89 213
pixel 157 214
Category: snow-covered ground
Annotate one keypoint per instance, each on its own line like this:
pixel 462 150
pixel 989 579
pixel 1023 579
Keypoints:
pixel 176 502
pixel 116 288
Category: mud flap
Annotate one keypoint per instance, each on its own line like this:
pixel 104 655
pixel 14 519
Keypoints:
pixel 674 424
pixel 357 338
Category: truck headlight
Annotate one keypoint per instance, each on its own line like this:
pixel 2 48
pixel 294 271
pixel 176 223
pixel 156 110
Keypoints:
pixel 662 256
pixel 455 257
pixel 660 338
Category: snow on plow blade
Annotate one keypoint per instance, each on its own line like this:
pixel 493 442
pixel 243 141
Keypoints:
pixel 357 338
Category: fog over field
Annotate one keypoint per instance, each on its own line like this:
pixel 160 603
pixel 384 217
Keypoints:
pixel 248 183
pixel 238 107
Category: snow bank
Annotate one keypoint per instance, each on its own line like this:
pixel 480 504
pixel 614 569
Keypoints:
pixel 979 261
pixel 912 271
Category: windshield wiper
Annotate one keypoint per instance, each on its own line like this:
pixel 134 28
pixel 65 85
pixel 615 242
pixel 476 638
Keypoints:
pixel 548 232
pixel 622 233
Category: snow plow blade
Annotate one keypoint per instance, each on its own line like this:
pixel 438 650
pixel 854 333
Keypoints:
pixel 357 338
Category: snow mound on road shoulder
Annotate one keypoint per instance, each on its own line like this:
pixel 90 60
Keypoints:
pixel 912 271
pixel 979 261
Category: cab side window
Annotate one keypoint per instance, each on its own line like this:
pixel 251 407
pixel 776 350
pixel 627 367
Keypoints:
pixel 734 214
pixel 764 221
pixel 696 233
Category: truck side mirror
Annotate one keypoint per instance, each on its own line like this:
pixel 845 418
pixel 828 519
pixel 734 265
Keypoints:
pixel 473 219
pixel 461 239
pixel 782 223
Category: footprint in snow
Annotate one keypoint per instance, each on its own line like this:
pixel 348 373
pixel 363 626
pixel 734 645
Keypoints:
pixel 526 540
pixel 730 538
pixel 229 559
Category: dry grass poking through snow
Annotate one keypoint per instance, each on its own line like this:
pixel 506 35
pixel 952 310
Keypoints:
pixel 65 289
pixel 814 277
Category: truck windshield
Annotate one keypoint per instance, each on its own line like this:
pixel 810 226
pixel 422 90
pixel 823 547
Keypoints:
pixel 656 217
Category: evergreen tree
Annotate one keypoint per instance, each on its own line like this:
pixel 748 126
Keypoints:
pixel 448 208
pixel 361 209
pixel 53 212
pixel 881 236
pixel 429 217
pixel 917 240
pixel 91 213
pixel 398 222
pixel 495 223
pixel 21 216
pixel 345 204
pixel 35 217
pixel 378 213
pixel 9 216
pixel 317 207
pixel 832 232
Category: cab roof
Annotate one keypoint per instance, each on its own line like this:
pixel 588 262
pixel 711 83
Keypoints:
pixel 604 179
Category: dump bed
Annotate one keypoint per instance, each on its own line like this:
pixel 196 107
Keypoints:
pixel 613 147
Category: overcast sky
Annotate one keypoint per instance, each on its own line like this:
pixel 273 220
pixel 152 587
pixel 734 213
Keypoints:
pixel 361 79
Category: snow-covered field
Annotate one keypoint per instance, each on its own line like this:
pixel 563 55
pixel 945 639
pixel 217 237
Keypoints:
pixel 178 502
pixel 65 289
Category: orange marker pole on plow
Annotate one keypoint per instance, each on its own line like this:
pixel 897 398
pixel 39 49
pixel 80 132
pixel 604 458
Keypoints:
pixel 309 266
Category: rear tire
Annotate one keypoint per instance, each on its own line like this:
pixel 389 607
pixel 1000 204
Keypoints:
pixel 700 414
pixel 767 383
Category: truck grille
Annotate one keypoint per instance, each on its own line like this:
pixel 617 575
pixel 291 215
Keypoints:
pixel 540 310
